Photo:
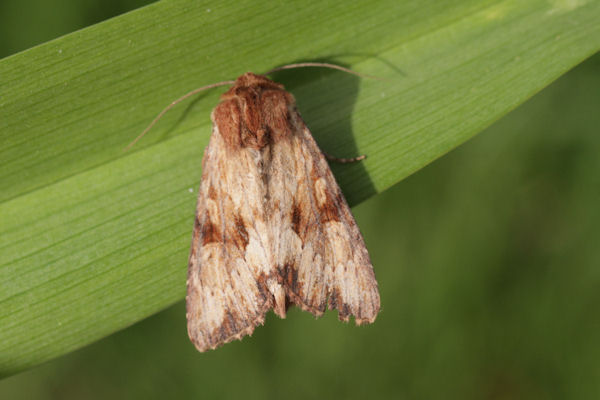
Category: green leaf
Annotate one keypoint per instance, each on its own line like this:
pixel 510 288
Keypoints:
pixel 93 239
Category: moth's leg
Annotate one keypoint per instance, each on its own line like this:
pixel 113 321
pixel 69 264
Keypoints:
pixel 343 160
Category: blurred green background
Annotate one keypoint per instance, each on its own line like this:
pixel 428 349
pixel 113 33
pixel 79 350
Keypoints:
pixel 488 262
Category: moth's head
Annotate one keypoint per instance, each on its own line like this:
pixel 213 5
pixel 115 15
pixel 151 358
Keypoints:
pixel 252 80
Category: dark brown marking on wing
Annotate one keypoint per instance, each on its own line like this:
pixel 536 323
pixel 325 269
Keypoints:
pixel 296 218
pixel 212 193
pixel 288 277
pixel 329 211
pixel 344 312
pixel 210 233
pixel 263 290
pixel 323 305
pixel 334 298
pixel 336 302
pixel 329 208
pixel 240 234
pixel 225 331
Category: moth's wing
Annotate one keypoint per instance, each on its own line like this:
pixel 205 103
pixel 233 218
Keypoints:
pixel 227 287
pixel 321 254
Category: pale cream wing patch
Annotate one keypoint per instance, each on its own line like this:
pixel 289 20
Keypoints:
pixel 229 289
pixel 321 256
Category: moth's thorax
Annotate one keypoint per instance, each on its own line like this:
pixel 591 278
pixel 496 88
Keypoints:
pixel 255 112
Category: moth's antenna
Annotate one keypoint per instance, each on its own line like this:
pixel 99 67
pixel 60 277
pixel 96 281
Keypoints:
pixel 339 68
pixel 173 104
pixel 321 65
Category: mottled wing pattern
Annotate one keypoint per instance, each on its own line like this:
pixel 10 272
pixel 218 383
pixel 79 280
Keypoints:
pixel 272 226
pixel 227 293
pixel 321 255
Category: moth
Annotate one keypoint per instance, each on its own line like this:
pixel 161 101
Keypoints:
pixel 272 227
